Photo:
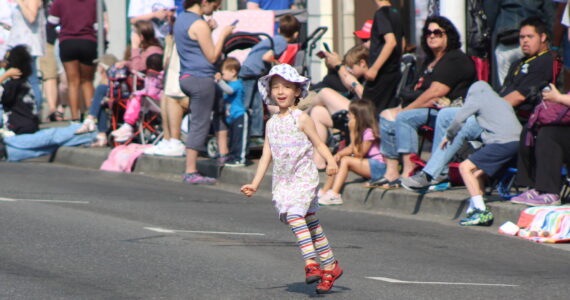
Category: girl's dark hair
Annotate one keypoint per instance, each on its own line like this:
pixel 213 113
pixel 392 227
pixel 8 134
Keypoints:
pixel 365 117
pixel 20 58
pixel 189 3
pixel 146 30
pixel 453 40
pixel 154 62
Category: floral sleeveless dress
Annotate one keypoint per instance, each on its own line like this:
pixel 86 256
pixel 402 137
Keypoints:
pixel 295 175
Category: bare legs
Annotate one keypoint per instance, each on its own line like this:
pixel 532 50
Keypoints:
pixel 347 163
pixel 472 177
pixel 79 76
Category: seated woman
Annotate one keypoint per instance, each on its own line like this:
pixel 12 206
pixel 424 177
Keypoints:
pixel 446 72
pixel 27 141
pixel 143 44
pixel 362 156
pixel 539 166
pixel 329 102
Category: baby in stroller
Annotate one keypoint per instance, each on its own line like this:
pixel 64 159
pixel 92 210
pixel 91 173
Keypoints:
pixel 153 88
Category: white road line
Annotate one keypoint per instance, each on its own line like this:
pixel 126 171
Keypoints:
pixel 392 280
pixel 163 230
pixel 42 200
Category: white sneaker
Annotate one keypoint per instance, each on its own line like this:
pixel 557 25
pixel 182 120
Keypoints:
pixel 174 148
pixel 123 134
pixel 330 199
pixel 151 150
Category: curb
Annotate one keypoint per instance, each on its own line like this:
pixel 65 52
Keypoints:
pixel 448 205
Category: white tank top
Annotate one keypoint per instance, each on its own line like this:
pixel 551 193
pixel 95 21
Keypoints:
pixel 32 35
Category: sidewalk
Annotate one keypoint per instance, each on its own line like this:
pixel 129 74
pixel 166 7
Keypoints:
pixel 448 205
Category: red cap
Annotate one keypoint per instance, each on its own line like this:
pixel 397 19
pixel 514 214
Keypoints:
pixel 364 33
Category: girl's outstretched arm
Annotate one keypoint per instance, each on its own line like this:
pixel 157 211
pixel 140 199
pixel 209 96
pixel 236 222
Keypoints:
pixel 250 189
pixel 308 127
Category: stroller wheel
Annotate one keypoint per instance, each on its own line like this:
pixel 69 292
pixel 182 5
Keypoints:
pixel 212 147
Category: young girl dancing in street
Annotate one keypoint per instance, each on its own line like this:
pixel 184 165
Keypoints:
pixel 362 156
pixel 290 139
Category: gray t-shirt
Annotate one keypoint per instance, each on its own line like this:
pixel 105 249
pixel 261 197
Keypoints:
pixel 494 114
pixel 254 66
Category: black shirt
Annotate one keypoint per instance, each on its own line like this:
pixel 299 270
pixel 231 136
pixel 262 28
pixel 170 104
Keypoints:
pixel 19 104
pixel 386 20
pixel 527 75
pixel 455 70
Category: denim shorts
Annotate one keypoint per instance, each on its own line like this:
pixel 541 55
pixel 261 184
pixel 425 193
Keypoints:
pixel 493 158
pixel 377 169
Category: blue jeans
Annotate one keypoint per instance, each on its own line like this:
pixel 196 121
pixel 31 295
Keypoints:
pixel 45 141
pixel 471 130
pixel 34 81
pixel 401 136
pixel 254 104
pixel 96 110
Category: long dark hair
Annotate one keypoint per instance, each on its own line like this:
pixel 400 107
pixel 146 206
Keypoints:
pixel 20 58
pixel 453 40
pixel 189 3
pixel 365 117
pixel 146 30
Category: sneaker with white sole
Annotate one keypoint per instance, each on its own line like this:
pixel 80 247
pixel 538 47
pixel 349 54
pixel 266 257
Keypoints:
pixel 151 150
pixel 330 199
pixel 174 148
pixel 123 134
pixel 478 218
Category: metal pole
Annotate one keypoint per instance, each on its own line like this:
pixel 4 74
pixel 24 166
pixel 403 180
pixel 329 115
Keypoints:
pixel 100 29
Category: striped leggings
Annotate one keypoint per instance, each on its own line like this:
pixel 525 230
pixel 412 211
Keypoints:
pixel 311 238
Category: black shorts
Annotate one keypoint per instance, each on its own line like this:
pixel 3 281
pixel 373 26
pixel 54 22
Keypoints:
pixel 494 158
pixel 85 51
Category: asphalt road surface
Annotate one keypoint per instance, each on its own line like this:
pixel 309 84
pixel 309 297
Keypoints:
pixel 68 233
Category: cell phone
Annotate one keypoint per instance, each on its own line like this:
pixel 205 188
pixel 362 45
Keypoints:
pixel 327 47
pixel 321 54
pixel 234 23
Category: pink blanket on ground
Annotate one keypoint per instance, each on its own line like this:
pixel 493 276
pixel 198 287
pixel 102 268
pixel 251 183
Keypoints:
pixel 122 158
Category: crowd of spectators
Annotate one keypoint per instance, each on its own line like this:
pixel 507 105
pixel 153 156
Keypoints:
pixel 172 47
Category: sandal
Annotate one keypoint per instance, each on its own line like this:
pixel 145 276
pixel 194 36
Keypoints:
pixel 99 143
pixel 391 185
pixel 376 183
pixel 313 273
pixel 328 279
pixel 55 116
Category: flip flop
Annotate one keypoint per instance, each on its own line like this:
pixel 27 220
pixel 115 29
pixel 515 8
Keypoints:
pixel 391 185
pixel 374 184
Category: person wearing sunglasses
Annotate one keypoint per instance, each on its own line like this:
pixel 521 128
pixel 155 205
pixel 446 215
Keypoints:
pixel 446 72
pixel 525 79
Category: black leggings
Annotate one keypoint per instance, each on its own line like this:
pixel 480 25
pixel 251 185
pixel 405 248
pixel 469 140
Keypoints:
pixel 540 166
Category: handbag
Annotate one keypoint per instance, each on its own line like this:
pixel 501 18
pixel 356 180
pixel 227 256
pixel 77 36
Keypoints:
pixel 172 82
pixel 546 113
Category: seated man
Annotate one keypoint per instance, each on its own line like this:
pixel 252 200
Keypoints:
pixel 447 72
pixel 25 140
pixel 529 74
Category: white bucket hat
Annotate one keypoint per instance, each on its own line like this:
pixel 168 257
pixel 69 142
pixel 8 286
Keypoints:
pixel 286 72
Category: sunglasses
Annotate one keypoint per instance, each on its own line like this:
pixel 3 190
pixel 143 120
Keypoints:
pixel 436 33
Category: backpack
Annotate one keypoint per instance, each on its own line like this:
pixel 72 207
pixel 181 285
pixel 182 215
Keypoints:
pixel 118 82
pixel 478 33
pixel 546 113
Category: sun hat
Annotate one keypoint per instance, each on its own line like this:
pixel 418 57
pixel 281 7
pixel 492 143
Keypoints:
pixel 365 32
pixel 286 72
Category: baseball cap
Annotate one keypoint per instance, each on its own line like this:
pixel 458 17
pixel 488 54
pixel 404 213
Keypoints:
pixel 364 33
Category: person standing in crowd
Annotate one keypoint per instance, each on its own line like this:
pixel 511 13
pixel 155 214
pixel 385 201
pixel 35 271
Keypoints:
pixel 48 67
pixel 156 11
pixel 235 113
pixel 198 53
pixel 271 4
pixel 290 141
pixel 386 44
pixel 77 47
pixel 28 28
pixel 446 72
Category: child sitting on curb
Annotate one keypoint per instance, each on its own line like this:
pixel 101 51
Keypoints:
pixel 362 156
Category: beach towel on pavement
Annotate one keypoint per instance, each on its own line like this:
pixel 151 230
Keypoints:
pixel 122 158
pixel 545 224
